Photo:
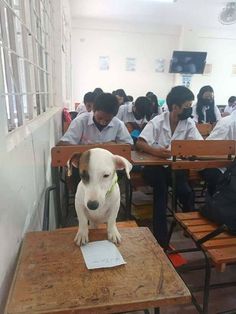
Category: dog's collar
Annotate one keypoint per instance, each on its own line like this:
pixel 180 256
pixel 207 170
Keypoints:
pixel 115 179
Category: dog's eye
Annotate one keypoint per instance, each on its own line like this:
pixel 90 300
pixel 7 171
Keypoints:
pixel 105 175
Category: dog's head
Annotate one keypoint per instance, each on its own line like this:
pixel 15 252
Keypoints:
pixel 97 169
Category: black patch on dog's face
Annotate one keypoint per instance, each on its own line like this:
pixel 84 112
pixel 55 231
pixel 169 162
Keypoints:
pixel 83 167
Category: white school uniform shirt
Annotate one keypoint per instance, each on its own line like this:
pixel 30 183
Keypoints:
pixel 225 129
pixel 158 132
pixel 195 115
pixel 81 109
pixel 83 130
pixel 126 115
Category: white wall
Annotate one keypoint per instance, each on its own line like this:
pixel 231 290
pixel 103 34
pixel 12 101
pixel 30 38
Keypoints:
pixel 94 38
pixel 25 165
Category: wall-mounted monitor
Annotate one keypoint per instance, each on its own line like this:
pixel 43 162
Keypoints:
pixel 188 62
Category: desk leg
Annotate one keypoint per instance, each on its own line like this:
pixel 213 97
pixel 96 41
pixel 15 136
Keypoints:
pixel 57 201
pixel 155 214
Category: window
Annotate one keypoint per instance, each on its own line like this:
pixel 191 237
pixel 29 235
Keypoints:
pixel 26 59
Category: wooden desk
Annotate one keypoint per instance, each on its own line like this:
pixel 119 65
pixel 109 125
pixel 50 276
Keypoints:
pixel 144 159
pixel 51 276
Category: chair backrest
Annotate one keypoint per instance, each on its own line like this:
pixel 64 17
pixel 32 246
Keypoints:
pixel 204 128
pixel 202 154
pixel 61 154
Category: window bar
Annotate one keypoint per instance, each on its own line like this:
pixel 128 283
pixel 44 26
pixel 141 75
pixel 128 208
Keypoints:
pixel 12 123
pixel 29 97
pixel 15 67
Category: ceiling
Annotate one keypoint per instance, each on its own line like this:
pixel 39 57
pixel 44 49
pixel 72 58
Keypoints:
pixel 200 13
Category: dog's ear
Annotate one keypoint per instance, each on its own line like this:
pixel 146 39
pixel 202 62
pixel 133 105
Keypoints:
pixel 73 161
pixel 122 163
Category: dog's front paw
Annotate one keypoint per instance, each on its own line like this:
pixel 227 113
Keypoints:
pixel 81 237
pixel 114 235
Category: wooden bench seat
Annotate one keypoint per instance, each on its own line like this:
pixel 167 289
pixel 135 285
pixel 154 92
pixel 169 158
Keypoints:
pixel 221 249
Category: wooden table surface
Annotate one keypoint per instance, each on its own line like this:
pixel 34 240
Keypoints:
pixel 51 276
pixel 144 159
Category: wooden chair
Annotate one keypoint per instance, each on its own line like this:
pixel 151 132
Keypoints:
pixel 59 157
pixel 209 238
pixel 204 129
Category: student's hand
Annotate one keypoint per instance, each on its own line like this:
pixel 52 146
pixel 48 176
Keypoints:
pixel 162 152
pixel 132 126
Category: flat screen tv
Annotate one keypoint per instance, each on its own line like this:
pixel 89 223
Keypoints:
pixel 188 62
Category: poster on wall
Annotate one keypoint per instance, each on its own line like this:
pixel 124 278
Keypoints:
pixel 130 64
pixel 104 63
pixel 159 65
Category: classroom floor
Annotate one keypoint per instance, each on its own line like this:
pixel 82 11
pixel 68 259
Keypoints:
pixel 220 299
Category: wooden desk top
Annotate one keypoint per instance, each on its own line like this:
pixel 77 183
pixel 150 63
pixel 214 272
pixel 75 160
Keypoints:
pixel 51 276
pixel 144 159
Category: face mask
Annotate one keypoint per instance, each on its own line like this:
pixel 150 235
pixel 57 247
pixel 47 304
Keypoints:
pixel 207 102
pixel 185 114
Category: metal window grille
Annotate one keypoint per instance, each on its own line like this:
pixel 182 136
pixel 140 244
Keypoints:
pixel 27 59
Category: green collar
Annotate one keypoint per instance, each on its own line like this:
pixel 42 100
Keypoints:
pixel 115 179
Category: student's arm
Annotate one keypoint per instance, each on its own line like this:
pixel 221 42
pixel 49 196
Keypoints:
pixel 220 131
pixel 147 138
pixel 162 152
pixel 123 135
pixel 64 143
pixel 74 133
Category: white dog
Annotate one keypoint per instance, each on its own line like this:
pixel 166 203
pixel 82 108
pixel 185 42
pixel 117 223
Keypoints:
pixel 97 198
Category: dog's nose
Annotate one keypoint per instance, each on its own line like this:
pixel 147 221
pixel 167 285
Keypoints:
pixel 92 205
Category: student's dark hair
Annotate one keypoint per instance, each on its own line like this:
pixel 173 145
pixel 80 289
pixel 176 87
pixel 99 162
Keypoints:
pixel 120 92
pixel 106 102
pixel 130 98
pixel 97 91
pixel 143 106
pixel 210 113
pixel 153 98
pixel 178 96
pixel 89 97
pixel 232 99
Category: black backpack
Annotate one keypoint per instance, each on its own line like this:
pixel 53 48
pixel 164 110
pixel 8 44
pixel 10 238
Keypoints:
pixel 221 207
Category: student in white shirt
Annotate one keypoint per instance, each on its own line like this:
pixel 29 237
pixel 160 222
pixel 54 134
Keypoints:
pixel 121 96
pixel 230 107
pixel 135 116
pixel 205 110
pixel 155 139
pixel 98 126
pixel 225 129
pixel 155 110
pixel 87 105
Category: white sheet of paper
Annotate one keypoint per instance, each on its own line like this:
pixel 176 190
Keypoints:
pixel 101 254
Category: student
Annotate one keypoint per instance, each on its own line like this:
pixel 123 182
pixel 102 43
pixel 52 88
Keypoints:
pixel 97 91
pixel 136 114
pixel 155 106
pixel 98 126
pixel 155 139
pixel 225 129
pixel 230 107
pixel 205 110
pixel 121 96
pixel 88 103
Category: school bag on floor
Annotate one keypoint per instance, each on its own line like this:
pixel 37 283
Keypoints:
pixel 221 207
